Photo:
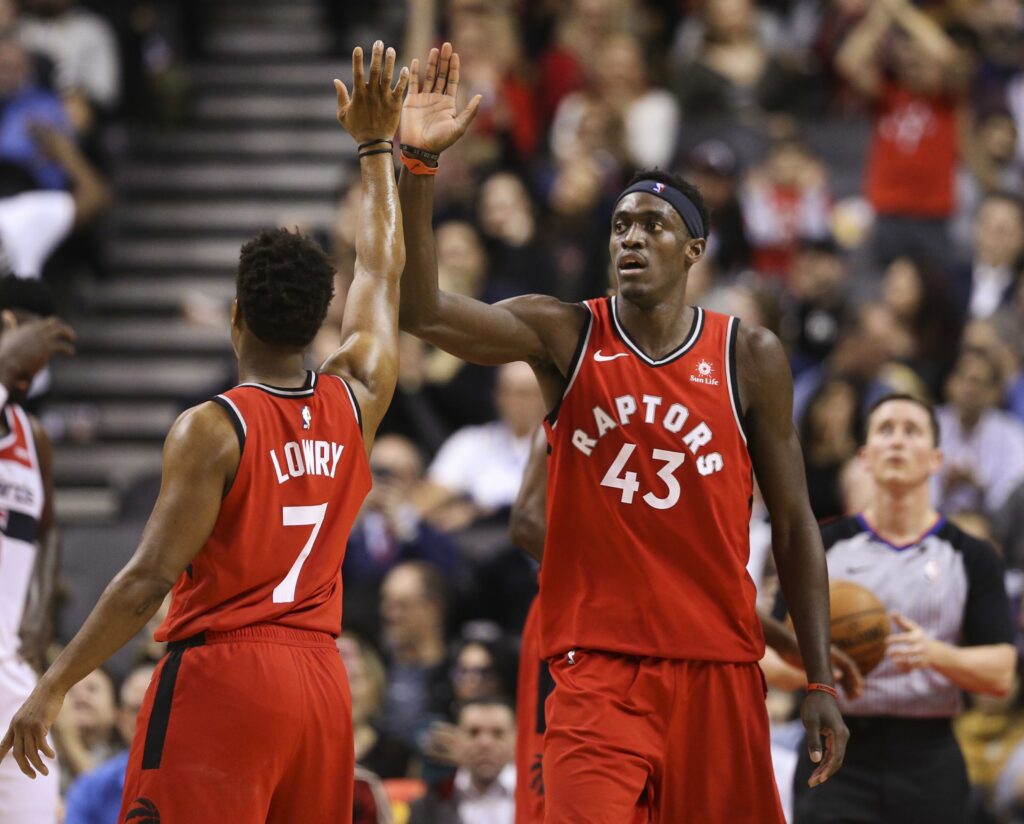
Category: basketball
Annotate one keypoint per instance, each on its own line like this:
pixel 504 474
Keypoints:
pixel 860 623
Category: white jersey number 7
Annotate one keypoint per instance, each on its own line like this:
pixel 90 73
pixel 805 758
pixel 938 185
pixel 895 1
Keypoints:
pixel 284 592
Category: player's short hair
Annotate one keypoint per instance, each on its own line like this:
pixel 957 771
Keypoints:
pixel 284 285
pixel 676 182
pixel 26 295
pixel 902 396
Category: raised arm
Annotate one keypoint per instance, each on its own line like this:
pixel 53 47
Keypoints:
pixel 200 458
pixel 538 329
pixel 766 392
pixel 368 357
pixel 858 57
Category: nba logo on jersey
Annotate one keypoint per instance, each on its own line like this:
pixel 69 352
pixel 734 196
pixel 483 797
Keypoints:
pixel 307 417
pixel 658 187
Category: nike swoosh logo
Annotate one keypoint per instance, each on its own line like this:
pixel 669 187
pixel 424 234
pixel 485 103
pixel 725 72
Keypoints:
pixel 602 358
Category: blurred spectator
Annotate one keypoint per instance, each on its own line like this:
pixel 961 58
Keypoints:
pixel 989 166
pixel 413 604
pixel 519 263
pixel 482 668
pixel 483 789
pixel 983 447
pixel 784 199
pixel 987 283
pixel 726 67
pixel 916 293
pixel 23 163
pixel 384 755
pixel 479 469
pixel 816 301
pixel 713 168
pixel 904 62
pixel 828 435
pixel 83 49
pixel 619 81
pixel 86 731
pixel 95 798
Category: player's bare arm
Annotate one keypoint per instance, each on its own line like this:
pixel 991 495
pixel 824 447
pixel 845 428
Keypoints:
pixel 766 394
pixel 37 623
pixel 368 357
pixel 538 329
pixel 201 456
pixel 526 523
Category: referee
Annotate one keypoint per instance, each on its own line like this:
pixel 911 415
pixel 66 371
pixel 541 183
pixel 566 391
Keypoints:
pixel 952 632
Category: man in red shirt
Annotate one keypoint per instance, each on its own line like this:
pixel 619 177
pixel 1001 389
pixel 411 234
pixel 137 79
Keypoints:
pixel 660 414
pixel 248 716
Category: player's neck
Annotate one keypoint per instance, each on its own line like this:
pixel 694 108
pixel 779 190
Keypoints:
pixel 901 516
pixel 657 329
pixel 260 363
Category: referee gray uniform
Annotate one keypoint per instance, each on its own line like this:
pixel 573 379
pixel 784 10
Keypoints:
pixel 903 764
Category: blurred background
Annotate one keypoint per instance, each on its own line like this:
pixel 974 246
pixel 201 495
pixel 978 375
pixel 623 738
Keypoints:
pixel 862 161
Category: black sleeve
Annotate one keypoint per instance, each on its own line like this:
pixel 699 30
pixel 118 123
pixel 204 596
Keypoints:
pixel 987 617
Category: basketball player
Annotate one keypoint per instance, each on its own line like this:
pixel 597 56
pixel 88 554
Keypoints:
pixel 247 718
pixel 647 614
pixel 952 632
pixel 28 534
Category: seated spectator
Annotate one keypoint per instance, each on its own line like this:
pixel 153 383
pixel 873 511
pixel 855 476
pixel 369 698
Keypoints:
pixel 95 798
pixel 479 469
pixel 987 283
pixel 828 435
pixel 23 162
pixel 83 49
pixel 904 62
pixel 85 732
pixel 728 68
pixel 482 667
pixel 784 199
pixel 483 788
pixel 413 606
pixel 382 754
pixel 983 446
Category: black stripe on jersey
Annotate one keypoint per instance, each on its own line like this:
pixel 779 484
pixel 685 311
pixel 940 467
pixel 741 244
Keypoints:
pixel 235 420
pixel 20 527
pixel 355 403
pixel 574 364
pixel 734 378
pixel 688 342
pixel 304 391
pixel 839 529
pixel 160 717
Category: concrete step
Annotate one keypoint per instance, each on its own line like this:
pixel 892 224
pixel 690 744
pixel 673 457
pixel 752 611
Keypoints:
pixel 267 41
pixel 218 179
pixel 86 504
pixel 276 14
pixel 297 73
pixel 149 295
pixel 276 107
pixel 110 464
pixel 151 336
pixel 222 253
pixel 211 215
pixel 329 142
pixel 110 420
pixel 101 377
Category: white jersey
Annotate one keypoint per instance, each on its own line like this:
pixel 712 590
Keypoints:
pixel 21 507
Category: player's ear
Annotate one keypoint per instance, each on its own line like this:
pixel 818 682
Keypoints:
pixel 695 249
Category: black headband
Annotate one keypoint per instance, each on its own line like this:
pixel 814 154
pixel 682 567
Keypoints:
pixel 680 202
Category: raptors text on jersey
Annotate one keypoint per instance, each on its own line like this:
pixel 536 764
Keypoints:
pixel 275 553
pixel 649 496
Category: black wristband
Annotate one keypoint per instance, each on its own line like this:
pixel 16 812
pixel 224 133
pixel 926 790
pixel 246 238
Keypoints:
pixel 375 151
pixel 430 158
pixel 362 146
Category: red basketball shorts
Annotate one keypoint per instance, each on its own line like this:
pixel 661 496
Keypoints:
pixel 252 726
pixel 635 740
pixel 533 688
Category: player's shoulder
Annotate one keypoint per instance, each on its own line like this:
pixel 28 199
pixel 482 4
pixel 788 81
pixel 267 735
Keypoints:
pixel 757 342
pixel 204 426
pixel 843 528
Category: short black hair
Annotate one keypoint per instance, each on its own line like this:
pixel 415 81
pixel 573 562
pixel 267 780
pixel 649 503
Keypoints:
pixel 285 283
pixel 26 295
pixel 676 182
pixel 902 396
pixel 488 701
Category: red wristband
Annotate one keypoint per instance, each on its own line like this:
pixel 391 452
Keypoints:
pixel 823 688
pixel 416 166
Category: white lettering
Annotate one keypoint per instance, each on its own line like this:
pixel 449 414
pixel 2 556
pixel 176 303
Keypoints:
pixel 583 443
pixel 625 405
pixel 709 464
pixel 336 450
pixel 675 417
pixel 281 477
pixel 652 402
pixel 697 437
pixel 323 455
pixel 309 456
pixel 293 457
pixel 603 420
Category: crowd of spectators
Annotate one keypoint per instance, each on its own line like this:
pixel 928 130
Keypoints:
pixel 862 161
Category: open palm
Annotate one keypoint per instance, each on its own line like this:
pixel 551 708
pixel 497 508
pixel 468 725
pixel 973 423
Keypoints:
pixel 430 119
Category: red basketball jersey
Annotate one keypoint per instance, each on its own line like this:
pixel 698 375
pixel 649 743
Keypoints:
pixel 649 493
pixel 275 553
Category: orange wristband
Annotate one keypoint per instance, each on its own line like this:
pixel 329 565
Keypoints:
pixel 823 688
pixel 417 167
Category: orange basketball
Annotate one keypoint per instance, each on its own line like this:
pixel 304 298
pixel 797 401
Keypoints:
pixel 860 623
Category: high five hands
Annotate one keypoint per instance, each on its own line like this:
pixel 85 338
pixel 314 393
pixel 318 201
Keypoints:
pixel 372 111
pixel 430 119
